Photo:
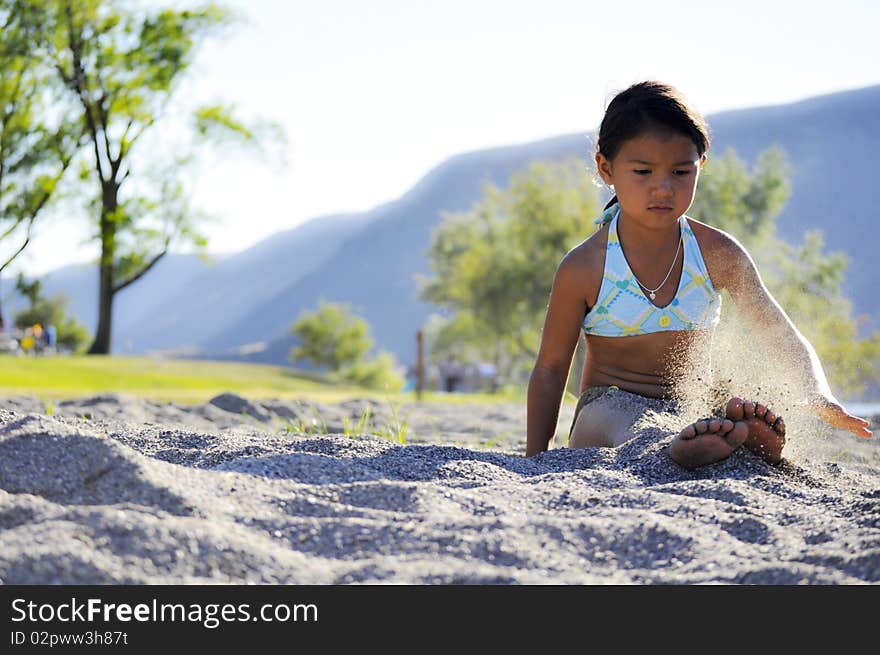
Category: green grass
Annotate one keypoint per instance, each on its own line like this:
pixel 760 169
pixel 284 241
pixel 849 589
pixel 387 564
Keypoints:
pixel 189 381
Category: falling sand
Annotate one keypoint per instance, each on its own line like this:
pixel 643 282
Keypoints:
pixel 710 369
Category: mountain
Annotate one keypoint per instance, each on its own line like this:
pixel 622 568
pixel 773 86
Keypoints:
pixel 831 142
pixel 194 306
pixel 78 283
pixel 373 268
pixel 369 259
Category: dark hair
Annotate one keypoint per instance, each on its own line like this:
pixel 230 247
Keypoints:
pixel 644 107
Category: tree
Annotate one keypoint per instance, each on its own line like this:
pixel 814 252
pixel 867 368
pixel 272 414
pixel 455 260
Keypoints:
pixel 808 283
pixel 742 202
pixel 38 138
pixel 32 290
pixel 334 338
pixel 72 336
pixel 494 265
pixel 331 337
pixel 121 65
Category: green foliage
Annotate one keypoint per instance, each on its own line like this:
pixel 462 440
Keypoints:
pixel 331 337
pixel 38 138
pixel 742 202
pixel 377 373
pixel 72 336
pixel 459 336
pixel 394 431
pixel 32 290
pixel 334 338
pixel 217 122
pixel 316 425
pixel 808 284
pixel 493 266
pixel 362 426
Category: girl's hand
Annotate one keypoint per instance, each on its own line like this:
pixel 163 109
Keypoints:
pixel 833 413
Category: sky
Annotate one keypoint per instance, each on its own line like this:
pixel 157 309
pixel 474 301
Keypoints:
pixel 372 95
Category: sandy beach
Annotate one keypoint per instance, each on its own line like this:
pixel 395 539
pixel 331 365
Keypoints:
pixel 119 490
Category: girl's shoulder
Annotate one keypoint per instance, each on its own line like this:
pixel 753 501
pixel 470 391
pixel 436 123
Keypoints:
pixel 589 254
pixel 713 239
pixel 584 265
pixel 722 253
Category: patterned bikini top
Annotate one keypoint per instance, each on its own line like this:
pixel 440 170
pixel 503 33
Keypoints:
pixel 622 310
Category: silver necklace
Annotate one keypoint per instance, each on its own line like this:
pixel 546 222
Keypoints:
pixel 652 293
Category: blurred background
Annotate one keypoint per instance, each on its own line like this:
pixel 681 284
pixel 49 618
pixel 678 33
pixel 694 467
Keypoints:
pixel 306 187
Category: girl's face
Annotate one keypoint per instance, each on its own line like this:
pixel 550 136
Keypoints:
pixel 654 176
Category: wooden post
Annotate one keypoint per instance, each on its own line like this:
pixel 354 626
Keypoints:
pixel 420 365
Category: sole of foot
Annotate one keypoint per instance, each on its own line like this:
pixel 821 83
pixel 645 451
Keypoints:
pixel 707 441
pixel 766 436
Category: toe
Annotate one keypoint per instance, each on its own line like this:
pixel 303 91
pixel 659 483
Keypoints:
pixel 779 426
pixel 748 409
pixel 701 426
pixel 760 410
pixel 734 409
pixel 737 436
pixel 770 417
pixel 726 426
pixel 688 433
pixel 714 425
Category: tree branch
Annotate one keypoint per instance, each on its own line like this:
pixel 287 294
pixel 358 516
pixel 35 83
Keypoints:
pixel 138 135
pixel 27 240
pixel 77 82
pixel 35 210
pixel 134 278
pixel 12 229
pixel 11 107
pixel 123 148
pixel 105 126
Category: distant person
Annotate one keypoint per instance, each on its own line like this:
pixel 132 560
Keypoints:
pixel 488 376
pixel 39 338
pixel 648 282
pixel 27 340
pixel 452 374
pixel 51 338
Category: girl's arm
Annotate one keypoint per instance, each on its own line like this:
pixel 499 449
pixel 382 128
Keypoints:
pixel 558 340
pixel 775 330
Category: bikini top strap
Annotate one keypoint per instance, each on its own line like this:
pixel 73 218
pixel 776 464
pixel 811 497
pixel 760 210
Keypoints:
pixel 608 215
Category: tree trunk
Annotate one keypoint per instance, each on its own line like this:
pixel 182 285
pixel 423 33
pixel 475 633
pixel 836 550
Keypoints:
pixel 101 344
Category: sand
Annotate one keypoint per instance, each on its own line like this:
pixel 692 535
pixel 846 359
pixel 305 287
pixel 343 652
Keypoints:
pixel 118 490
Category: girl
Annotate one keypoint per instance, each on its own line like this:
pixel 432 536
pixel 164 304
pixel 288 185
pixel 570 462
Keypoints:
pixel 646 285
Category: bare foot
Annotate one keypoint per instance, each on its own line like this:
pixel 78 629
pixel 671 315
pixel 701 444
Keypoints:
pixel 766 429
pixel 707 441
